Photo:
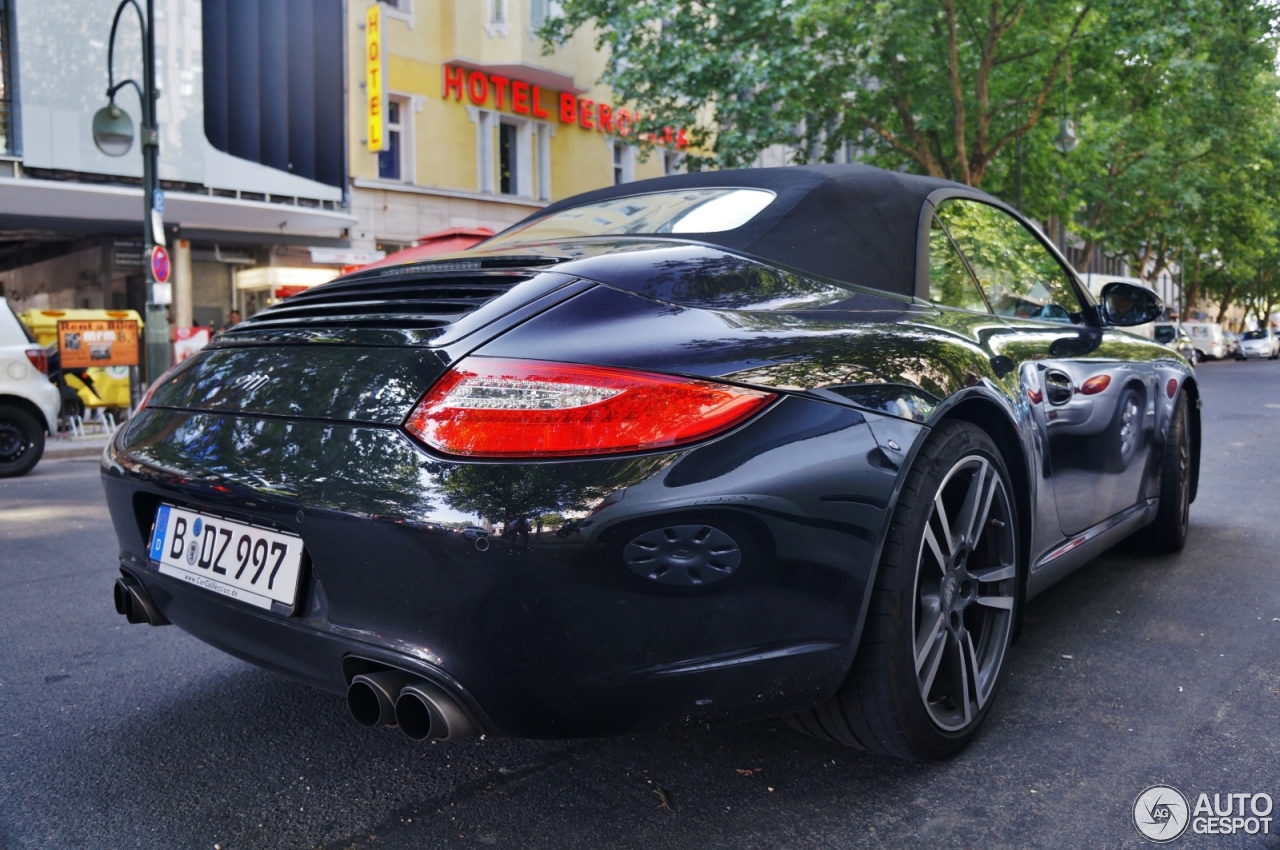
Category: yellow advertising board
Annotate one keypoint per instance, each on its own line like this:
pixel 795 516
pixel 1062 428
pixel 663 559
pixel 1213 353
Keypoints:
pixel 98 342
pixel 375 78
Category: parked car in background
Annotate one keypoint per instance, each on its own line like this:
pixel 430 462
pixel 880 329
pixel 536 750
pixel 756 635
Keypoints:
pixel 1208 338
pixel 29 403
pixel 1232 341
pixel 1172 335
pixel 1254 345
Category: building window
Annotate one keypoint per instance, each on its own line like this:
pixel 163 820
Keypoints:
pixel 405 6
pixel 508 156
pixel 672 162
pixel 393 163
pixel 8 126
pixel 624 163
pixel 505 155
pixel 496 20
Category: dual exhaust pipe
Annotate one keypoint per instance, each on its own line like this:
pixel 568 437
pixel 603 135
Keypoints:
pixel 423 711
pixel 133 603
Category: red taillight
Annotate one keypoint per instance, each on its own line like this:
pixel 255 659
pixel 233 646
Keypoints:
pixel 1095 385
pixel 1171 388
pixel 40 359
pixel 491 407
pixel 1035 395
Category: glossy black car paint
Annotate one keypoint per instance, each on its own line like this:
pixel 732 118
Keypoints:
pixel 302 430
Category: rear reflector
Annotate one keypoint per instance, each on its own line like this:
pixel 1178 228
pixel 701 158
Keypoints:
pixel 491 407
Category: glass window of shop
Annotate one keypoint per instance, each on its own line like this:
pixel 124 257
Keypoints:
pixel 8 103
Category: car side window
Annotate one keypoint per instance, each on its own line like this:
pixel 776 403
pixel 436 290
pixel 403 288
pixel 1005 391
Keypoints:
pixel 950 283
pixel 1018 274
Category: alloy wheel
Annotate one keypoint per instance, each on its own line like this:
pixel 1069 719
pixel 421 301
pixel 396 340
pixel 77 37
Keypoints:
pixel 966 586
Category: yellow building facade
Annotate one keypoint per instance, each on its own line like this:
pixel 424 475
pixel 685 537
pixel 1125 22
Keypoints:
pixel 458 119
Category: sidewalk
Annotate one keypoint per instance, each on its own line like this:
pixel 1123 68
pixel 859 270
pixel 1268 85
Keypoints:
pixel 64 447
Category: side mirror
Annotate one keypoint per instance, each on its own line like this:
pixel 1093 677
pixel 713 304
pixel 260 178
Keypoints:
pixel 1125 305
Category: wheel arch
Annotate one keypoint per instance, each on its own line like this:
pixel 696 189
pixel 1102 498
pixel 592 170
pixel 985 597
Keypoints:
pixel 27 406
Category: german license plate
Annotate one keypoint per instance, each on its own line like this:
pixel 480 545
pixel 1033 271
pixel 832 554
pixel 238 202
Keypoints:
pixel 254 565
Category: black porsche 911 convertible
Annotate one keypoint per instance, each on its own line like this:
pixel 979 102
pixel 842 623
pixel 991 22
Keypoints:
pixel 797 441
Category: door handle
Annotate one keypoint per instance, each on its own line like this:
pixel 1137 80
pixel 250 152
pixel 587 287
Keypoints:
pixel 1058 388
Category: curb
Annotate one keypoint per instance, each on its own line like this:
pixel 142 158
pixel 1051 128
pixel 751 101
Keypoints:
pixel 72 453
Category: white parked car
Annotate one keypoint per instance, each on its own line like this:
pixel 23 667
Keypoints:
pixel 1209 340
pixel 1254 345
pixel 29 403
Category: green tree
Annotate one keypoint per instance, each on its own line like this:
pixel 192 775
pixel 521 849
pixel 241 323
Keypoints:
pixel 945 85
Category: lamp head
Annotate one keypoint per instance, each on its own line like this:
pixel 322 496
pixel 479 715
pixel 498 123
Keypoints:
pixel 112 130
pixel 1067 139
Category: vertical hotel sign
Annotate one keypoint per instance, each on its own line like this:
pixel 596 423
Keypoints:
pixel 375 78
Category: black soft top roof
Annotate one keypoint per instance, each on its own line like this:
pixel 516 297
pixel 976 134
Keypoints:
pixel 853 223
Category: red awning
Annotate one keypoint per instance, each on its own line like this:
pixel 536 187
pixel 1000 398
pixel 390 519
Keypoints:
pixel 440 242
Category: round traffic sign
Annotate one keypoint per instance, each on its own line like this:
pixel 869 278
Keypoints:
pixel 160 264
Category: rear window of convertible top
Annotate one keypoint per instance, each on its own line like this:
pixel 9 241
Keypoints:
pixel 687 211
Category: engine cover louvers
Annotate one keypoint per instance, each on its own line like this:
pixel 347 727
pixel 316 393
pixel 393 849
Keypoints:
pixel 399 302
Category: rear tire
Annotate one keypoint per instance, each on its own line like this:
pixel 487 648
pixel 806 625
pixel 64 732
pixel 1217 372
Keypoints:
pixel 1168 532
pixel 21 441
pixel 942 611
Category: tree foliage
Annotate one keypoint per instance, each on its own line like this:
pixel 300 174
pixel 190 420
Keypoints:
pixel 1176 103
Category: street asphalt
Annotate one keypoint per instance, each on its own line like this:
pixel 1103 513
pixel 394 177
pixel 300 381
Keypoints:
pixel 1135 670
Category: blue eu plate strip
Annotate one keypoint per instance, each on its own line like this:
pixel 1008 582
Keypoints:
pixel 157 539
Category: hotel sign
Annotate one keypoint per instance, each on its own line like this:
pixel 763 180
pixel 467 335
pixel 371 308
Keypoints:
pixel 375 78
pixel 524 98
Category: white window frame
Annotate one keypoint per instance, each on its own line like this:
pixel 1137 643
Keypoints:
pixel 499 24
pixel 530 162
pixel 409 105
pixel 400 10
pixel 545 132
pixel 626 162
pixel 553 10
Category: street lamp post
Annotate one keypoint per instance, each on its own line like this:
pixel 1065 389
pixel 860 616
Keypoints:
pixel 113 134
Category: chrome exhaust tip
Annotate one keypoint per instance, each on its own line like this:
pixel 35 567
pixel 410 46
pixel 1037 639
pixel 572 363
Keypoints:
pixel 133 603
pixel 371 697
pixel 426 712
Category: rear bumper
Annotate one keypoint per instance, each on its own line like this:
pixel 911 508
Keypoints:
pixel 562 641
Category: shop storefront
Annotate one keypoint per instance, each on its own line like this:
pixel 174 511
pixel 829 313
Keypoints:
pixel 458 120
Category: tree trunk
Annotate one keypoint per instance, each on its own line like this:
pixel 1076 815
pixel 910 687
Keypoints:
pixel 1225 303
